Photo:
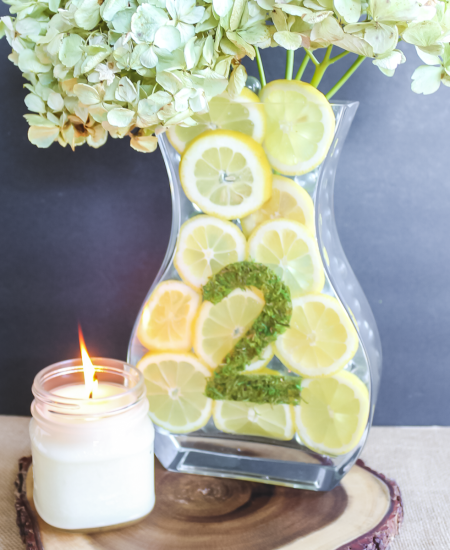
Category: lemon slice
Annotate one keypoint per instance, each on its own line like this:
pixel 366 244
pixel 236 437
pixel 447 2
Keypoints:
pixel 333 413
pixel 244 114
pixel 226 174
pixel 260 363
pixel 288 249
pixel 240 417
pixel 167 318
pixel 206 245
pixel 176 385
pixel 300 126
pixel 289 200
pixel 320 340
pixel 220 326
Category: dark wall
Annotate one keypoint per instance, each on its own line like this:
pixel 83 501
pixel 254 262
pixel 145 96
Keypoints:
pixel 82 236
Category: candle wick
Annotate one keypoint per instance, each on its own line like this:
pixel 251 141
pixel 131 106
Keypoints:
pixel 90 395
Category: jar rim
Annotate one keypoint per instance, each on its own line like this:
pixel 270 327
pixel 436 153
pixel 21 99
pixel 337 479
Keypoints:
pixel 70 372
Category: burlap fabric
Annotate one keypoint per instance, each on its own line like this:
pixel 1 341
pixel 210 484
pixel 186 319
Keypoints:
pixel 417 458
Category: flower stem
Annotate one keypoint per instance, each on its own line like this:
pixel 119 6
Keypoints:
pixel 289 64
pixel 346 76
pixel 312 57
pixel 321 68
pixel 302 68
pixel 262 76
pixel 338 57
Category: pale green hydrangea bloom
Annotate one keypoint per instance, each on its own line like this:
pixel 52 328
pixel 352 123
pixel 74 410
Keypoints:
pixel 134 67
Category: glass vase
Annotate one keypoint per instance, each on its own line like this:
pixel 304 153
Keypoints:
pixel 212 452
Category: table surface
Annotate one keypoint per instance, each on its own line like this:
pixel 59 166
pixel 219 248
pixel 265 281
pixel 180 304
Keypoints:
pixel 417 458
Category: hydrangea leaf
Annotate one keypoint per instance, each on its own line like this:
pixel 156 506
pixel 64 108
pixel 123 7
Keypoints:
pixel 109 8
pixel 126 91
pixel 208 50
pixel 170 60
pixel 387 63
pixel 28 27
pixel 87 15
pixel 87 94
pixel 222 7
pixel 42 136
pixel 426 80
pixel 168 38
pixel 425 33
pixel 212 83
pixel 355 44
pixel 38 120
pixel 255 34
pixel 97 136
pixel 238 78
pixel 120 117
pixel 394 10
pixel 56 102
pixel 350 10
pixel 146 21
pixel 381 37
pixel 98 112
pixel 428 58
pixel 96 54
pixel 144 144
pixel 29 63
pixel 121 21
pixel 236 14
pixel 34 103
pixel 288 40
pixel 71 50
pixel 147 56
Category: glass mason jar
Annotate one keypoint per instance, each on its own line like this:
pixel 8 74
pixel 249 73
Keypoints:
pixel 93 461
pixel 295 461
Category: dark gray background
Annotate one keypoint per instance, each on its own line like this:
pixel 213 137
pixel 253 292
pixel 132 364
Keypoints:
pixel 83 234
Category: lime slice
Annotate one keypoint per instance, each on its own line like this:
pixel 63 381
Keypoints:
pixel 176 385
pixel 300 126
pixel 219 327
pixel 320 340
pixel 206 245
pixel 239 417
pixel 333 413
pixel 226 174
pixel 244 114
pixel 168 316
pixel 291 252
pixel 289 200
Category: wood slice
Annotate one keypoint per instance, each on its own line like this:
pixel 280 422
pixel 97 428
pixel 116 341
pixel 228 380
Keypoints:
pixel 207 513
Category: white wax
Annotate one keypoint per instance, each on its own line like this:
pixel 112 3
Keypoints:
pixel 93 472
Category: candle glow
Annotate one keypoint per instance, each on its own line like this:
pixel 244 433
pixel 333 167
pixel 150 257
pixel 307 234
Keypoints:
pixel 90 378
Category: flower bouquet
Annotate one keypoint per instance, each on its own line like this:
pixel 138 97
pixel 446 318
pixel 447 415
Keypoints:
pixel 260 352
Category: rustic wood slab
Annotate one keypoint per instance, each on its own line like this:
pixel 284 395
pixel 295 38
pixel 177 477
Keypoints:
pixel 206 513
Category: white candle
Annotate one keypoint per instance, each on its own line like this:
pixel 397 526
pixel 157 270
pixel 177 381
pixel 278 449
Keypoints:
pixel 93 461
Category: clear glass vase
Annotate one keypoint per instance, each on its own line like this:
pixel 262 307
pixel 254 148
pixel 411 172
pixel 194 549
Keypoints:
pixel 209 451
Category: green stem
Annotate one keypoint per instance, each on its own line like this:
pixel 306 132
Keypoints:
pixel 289 64
pixel 312 57
pixel 338 57
pixel 302 68
pixel 321 68
pixel 262 76
pixel 346 76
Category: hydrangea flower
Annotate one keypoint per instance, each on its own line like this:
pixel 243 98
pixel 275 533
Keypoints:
pixel 133 67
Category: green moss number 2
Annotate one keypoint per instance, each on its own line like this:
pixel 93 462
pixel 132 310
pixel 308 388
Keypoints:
pixel 228 381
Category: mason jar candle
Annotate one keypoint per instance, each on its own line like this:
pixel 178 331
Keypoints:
pixel 93 461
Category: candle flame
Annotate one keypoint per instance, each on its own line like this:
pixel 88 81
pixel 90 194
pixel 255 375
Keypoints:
pixel 90 377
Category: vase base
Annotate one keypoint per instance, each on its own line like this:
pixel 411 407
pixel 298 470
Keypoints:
pixel 253 459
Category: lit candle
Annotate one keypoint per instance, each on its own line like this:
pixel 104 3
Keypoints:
pixel 92 444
